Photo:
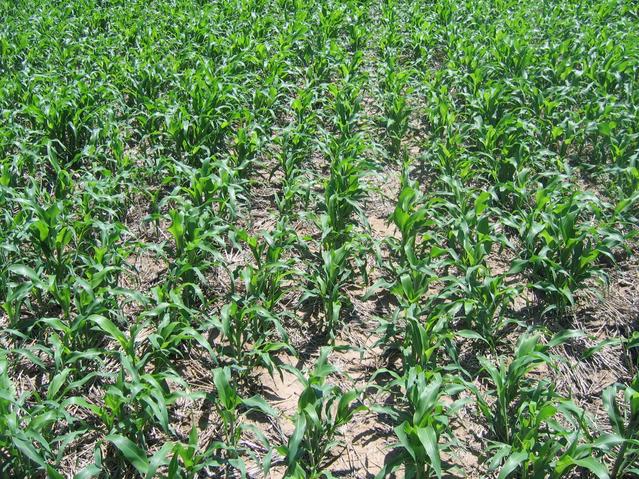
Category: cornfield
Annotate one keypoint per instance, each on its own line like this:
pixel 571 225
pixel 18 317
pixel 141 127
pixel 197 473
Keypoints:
pixel 319 239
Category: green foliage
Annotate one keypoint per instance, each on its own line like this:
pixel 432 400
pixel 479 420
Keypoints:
pixel 537 433
pixel 322 410
pixel 422 424
pixel 624 419
pixel 562 249
pixel 192 195
pixel 327 283
pixel 26 436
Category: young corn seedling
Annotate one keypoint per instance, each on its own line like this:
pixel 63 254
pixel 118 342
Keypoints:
pixel 253 335
pixel 418 329
pixel 293 151
pixel 135 458
pixel 196 234
pixel 64 120
pixel 412 219
pixel 510 382
pixel 343 191
pixel 424 338
pixel 550 439
pixel 470 236
pixel 132 407
pixel 528 418
pixel 137 400
pixel 265 281
pixel 51 233
pixel 483 301
pixel 562 250
pixel 29 294
pixel 294 148
pixel 346 99
pixel 176 329
pixel 188 460
pixel 246 147
pixel 232 409
pixel 212 184
pixel 25 432
pixel 251 323
pixel 423 423
pixel 200 128
pixel 624 419
pixel 396 109
pixel 322 410
pixel 327 283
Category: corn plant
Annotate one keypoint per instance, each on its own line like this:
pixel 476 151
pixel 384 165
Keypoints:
pixel 343 192
pixel 252 335
pixel 396 108
pixel 251 324
pixel 411 217
pixel 293 151
pixel 322 410
pixel 326 284
pixel 483 301
pixel 265 281
pixel 624 420
pixel 203 124
pixel 51 234
pixel 561 250
pixel 425 335
pixel 422 424
pixel 508 381
pixel 528 418
pixel 542 445
pixel 188 461
pixel 470 238
pixel 65 120
pixel 228 404
pixel 26 432
pixel 134 455
pixel 215 184
pixel 419 328
pixel 195 237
